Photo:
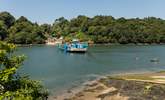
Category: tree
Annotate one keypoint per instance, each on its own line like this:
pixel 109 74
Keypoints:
pixel 100 29
pixel 7 18
pixel 60 27
pixel 46 29
pixel 22 19
pixel 3 30
pixel 13 86
pixel 26 32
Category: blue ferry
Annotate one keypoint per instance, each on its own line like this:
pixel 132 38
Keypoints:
pixel 75 46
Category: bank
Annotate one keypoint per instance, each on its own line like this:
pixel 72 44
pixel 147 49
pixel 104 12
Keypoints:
pixel 148 86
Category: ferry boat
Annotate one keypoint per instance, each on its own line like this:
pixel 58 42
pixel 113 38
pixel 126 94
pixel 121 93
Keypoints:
pixel 75 46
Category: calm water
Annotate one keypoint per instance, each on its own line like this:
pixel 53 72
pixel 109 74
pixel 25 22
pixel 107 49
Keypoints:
pixel 59 70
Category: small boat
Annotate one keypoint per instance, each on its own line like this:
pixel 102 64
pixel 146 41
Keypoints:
pixel 154 60
pixel 75 46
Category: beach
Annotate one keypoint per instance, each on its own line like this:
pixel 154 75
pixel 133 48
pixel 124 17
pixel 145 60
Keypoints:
pixel 148 86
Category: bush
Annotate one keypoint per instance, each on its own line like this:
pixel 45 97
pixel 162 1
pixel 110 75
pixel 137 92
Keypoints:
pixel 13 86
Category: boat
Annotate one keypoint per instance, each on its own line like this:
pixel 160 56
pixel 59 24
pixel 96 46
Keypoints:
pixel 154 60
pixel 75 46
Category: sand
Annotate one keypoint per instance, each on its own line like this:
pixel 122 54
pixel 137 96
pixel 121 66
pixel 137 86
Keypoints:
pixel 123 87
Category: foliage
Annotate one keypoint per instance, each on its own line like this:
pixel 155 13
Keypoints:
pixel 7 18
pixel 106 29
pixel 25 32
pixel 46 29
pixel 60 27
pixel 3 30
pixel 12 85
pixel 100 29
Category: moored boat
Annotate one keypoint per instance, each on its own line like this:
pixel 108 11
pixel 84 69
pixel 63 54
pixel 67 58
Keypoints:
pixel 75 46
pixel 154 60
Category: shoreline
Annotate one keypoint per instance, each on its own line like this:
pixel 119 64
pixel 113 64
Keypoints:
pixel 97 44
pixel 100 87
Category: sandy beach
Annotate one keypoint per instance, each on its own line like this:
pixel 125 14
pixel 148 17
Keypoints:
pixel 148 86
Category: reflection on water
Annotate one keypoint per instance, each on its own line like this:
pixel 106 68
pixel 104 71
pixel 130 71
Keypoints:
pixel 59 70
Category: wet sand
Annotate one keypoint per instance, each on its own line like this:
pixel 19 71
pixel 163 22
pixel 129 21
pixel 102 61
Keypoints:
pixel 149 86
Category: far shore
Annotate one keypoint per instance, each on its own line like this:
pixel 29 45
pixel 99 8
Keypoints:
pixel 97 44
pixel 146 86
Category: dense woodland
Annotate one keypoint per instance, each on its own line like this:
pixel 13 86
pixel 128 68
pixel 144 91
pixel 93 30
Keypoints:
pixel 100 29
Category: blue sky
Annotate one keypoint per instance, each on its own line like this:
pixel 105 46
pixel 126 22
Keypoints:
pixel 46 11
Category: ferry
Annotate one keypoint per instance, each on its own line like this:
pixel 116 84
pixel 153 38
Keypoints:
pixel 75 46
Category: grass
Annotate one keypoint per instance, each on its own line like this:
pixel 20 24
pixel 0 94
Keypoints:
pixel 161 72
pixel 138 77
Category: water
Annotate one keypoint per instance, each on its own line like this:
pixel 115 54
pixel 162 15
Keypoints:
pixel 59 71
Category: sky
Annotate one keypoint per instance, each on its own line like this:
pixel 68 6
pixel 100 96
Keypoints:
pixel 46 11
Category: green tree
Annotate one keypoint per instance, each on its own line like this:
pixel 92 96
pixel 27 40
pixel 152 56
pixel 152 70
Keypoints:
pixel 46 29
pixel 26 32
pixel 7 18
pixel 3 30
pixel 100 29
pixel 60 27
pixel 13 86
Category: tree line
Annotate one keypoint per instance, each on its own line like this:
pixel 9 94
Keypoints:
pixel 99 29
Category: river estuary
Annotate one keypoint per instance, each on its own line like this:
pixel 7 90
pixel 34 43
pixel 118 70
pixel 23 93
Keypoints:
pixel 60 71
